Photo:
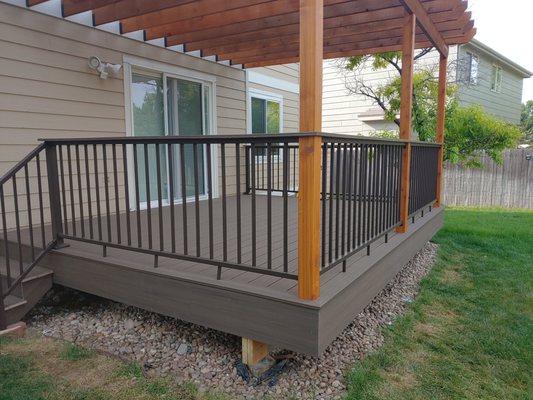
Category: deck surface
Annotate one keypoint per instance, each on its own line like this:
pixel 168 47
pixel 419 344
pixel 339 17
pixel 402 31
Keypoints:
pixel 248 304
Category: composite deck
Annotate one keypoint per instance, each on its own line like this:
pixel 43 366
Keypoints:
pixel 261 307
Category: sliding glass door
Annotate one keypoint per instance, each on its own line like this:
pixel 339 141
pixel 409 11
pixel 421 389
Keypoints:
pixel 165 105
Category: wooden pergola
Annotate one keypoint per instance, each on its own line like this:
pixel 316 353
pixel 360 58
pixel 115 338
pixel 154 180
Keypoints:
pixel 255 33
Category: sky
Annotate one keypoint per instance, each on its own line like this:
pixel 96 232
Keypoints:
pixel 507 27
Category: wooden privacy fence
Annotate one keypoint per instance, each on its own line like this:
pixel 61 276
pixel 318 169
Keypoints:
pixel 506 185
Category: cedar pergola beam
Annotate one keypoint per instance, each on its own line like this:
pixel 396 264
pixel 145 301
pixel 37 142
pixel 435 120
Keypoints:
pixel 427 25
pixel 335 16
pixel 287 59
pixel 446 20
pixel 290 43
pixel 342 50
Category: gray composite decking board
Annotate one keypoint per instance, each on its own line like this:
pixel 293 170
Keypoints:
pixel 247 304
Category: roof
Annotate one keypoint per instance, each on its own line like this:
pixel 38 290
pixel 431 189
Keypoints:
pixel 511 64
pixel 266 32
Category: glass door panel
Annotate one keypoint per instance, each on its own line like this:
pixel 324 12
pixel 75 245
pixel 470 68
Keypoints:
pixel 188 115
pixel 149 120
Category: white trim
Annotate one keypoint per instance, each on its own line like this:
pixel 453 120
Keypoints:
pixel 175 70
pixel 270 81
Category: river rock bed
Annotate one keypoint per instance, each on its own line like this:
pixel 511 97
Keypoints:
pixel 190 353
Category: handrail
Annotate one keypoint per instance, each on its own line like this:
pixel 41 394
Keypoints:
pixel 14 278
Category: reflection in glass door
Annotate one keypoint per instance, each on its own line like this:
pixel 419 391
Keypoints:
pixel 187 114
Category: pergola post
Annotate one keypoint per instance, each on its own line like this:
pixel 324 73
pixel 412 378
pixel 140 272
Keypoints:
pixel 406 105
pixel 441 114
pixel 311 54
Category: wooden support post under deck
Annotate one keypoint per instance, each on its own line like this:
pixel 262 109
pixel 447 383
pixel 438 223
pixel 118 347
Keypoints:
pixel 311 52
pixel 408 50
pixel 253 351
pixel 441 115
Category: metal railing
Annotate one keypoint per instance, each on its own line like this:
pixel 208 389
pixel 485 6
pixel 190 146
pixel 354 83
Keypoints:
pixel 16 204
pixel 423 176
pixel 228 201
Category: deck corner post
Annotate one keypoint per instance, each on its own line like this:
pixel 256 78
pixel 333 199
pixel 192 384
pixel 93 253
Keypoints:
pixel 253 351
pixel 54 193
pixel 441 117
pixel 310 147
pixel 406 105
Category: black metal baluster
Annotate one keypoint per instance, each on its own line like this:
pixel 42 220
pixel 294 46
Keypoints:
pixel 106 193
pixel 337 198
pixel 254 234
pixel 97 188
pixel 170 155
pixel 4 229
pixel 137 195
pixel 286 159
pixel 238 194
pixel 88 184
pixel 117 200
pixel 331 187
pixel 184 198
pixel 71 190
pixel 159 196
pixel 17 222
pixel 323 199
pixel 269 205
pixel 148 196
pixel 63 189
pixel 224 201
pixel 356 194
pixel 126 192
pixel 28 206
pixel 349 196
pixel 196 197
pixel 41 206
pixel 80 190
pixel 343 204
pixel 210 198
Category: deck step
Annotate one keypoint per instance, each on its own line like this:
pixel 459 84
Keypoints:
pixel 32 288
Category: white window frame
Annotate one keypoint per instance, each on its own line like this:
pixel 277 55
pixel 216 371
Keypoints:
pixel 471 57
pixel 494 78
pixel 268 96
pixel 133 64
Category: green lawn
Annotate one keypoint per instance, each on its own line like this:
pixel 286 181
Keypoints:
pixel 469 334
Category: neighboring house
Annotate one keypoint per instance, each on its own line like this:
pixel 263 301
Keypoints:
pixel 484 77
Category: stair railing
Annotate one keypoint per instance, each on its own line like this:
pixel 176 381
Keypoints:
pixel 27 212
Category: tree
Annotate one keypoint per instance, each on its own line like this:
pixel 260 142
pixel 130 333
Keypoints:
pixel 526 122
pixel 469 131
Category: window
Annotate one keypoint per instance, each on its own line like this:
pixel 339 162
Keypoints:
pixel 265 116
pixel 164 103
pixel 496 79
pixel 472 68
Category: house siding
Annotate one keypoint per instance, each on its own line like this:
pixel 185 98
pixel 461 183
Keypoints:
pixel 47 89
pixel 506 104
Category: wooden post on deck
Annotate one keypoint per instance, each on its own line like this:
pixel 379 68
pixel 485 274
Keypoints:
pixel 311 54
pixel 441 115
pixel 406 105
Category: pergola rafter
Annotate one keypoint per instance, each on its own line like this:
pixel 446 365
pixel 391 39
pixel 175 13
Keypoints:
pixel 266 32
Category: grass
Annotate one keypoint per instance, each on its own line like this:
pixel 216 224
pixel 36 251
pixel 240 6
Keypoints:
pixel 36 368
pixel 469 334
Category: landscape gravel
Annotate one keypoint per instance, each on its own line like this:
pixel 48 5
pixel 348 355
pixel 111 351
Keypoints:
pixel 190 353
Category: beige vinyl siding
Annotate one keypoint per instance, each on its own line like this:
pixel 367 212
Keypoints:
pixel 47 90
pixel 505 104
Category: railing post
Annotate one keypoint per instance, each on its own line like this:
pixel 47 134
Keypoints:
pixel 54 194
pixel 406 104
pixel 441 115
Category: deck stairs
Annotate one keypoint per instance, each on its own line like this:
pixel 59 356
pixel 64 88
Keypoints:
pixel 26 295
